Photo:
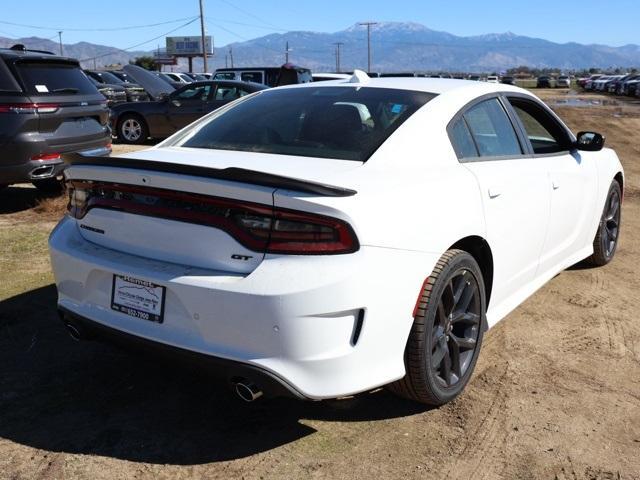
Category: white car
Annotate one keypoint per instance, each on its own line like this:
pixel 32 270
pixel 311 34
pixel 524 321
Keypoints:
pixel 304 248
pixel 179 77
pixel 563 81
pixel 493 79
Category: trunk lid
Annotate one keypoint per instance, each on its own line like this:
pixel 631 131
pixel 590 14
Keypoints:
pixel 166 213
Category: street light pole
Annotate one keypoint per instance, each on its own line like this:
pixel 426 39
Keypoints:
pixel 60 41
pixel 204 45
pixel 369 25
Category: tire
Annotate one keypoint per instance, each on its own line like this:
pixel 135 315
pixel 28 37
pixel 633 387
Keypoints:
pixel 433 330
pixel 132 129
pixel 49 185
pixel 605 242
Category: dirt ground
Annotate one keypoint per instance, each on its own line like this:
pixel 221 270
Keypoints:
pixel 555 395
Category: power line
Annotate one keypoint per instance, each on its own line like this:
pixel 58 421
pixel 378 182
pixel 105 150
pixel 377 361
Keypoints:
pixel 142 43
pixel 246 12
pixel 271 29
pixel 107 29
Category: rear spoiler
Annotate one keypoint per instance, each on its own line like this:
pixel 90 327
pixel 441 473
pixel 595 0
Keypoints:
pixel 232 174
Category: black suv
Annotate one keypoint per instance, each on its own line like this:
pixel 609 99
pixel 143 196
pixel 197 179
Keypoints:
pixel 47 107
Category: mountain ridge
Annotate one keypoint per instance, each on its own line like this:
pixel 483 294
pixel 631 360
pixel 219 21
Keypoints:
pixel 396 46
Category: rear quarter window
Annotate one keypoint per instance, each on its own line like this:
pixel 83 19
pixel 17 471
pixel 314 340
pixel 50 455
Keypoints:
pixel 7 82
pixel 54 78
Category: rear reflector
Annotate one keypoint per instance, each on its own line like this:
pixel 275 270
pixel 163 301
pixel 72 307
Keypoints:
pixel 46 156
pixel 261 228
pixel 28 107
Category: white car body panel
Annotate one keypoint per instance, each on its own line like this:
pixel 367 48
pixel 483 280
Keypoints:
pixel 294 315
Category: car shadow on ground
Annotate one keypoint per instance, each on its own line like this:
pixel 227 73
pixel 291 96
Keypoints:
pixel 88 398
pixel 19 198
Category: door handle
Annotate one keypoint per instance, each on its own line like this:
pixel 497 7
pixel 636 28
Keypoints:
pixel 494 192
pixel 555 184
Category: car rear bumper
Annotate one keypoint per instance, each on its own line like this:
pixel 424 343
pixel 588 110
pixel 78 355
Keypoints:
pixel 324 326
pixel 33 170
pixel 221 368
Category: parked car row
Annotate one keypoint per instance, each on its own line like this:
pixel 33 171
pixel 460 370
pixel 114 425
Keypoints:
pixel 628 84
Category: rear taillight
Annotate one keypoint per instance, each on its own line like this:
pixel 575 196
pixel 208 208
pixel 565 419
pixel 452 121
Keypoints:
pixel 28 107
pixel 258 227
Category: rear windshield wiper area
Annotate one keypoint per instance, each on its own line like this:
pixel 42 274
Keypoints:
pixel 64 90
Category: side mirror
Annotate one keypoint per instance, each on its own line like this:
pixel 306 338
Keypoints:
pixel 589 141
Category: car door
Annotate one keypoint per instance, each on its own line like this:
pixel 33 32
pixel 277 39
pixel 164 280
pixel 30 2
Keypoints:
pixel 188 104
pixel 572 182
pixel 514 191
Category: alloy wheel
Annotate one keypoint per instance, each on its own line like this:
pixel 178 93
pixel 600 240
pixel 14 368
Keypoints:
pixel 611 224
pixel 456 328
pixel 131 129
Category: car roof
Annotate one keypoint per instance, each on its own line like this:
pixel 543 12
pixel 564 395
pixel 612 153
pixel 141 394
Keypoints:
pixel 8 53
pixel 258 86
pixel 436 86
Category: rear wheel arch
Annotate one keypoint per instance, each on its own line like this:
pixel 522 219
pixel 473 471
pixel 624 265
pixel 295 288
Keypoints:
pixel 480 250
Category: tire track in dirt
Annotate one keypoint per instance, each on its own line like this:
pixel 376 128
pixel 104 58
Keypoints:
pixel 488 433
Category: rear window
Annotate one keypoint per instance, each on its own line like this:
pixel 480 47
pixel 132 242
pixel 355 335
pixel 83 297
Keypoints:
pixel 52 78
pixel 344 123
pixel 108 77
pixel 224 76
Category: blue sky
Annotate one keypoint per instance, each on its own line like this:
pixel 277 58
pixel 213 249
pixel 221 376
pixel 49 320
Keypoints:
pixel 583 21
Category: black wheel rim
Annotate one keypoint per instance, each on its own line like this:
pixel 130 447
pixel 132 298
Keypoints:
pixel 456 328
pixel 611 224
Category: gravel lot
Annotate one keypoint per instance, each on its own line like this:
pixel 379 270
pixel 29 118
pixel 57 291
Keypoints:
pixel 556 392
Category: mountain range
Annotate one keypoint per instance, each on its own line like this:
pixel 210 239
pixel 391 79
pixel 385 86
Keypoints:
pixel 395 46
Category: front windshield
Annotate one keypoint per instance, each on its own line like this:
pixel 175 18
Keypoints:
pixel 345 123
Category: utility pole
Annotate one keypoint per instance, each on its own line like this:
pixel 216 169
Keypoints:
pixel 286 53
pixel 369 25
pixel 338 45
pixel 231 55
pixel 204 45
pixel 226 61
pixel 60 41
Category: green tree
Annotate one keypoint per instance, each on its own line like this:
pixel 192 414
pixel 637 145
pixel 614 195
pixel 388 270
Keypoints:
pixel 146 62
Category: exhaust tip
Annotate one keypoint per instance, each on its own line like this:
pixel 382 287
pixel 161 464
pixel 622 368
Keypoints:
pixel 248 391
pixel 73 331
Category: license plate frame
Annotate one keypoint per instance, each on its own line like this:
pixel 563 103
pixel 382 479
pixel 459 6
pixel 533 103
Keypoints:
pixel 138 298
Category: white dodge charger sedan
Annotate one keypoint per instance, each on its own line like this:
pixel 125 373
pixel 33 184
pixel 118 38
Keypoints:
pixel 322 240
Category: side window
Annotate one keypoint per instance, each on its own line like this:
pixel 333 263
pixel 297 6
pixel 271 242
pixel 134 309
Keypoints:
pixel 225 92
pixel 255 77
pixel 224 76
pixel 200 93
pixel 492 130
pixel 544 132
pixel 462 141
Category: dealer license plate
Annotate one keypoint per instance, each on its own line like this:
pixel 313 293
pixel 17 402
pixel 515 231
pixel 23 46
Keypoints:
pixel 138 298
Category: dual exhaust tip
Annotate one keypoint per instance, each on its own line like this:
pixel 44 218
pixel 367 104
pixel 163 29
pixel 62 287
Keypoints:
pixel 245 389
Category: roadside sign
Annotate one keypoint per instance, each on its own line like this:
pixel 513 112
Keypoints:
pixel 187 46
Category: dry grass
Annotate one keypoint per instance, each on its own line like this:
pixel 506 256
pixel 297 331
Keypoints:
pixel 51 207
